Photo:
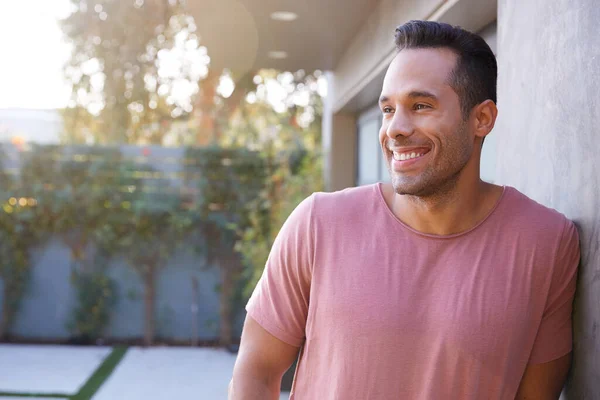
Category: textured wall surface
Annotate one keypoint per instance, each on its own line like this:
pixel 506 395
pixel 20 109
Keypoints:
pixel 488 155
pixel 549 139
pixel 50 298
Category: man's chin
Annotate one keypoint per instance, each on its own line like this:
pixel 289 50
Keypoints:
pixel 407 188
pixel 416 186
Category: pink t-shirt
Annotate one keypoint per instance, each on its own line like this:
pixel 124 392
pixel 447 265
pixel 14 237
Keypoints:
pixel 384 312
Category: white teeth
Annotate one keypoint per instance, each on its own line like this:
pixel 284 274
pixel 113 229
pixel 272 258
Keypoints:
pixel 406 156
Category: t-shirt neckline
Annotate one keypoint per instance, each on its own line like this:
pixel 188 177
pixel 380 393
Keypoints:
pixel 379 189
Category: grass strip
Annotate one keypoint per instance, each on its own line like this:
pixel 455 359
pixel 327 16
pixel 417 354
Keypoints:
pixel 90 387
pixel 38 395
pixel 101 374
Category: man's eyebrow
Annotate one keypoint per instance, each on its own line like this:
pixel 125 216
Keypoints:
pixel 414 94
pixel 421 93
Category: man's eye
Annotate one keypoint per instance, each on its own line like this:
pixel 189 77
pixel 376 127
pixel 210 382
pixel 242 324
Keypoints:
pixel 387 110
pixel 420 106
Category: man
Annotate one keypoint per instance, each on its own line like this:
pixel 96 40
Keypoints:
pixel 435 286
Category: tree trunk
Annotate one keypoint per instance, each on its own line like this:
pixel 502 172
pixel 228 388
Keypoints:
pixel 205 106
pixel 4 316
pixel 10 302
pixel 195 294
pixel 149 297
pixel 227 286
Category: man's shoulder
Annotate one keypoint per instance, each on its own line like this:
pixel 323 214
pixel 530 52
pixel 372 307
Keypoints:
pixel 532 215
pixel 349 197
pixel 345 201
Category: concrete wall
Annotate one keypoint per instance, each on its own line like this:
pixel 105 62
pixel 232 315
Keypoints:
pixel 49 301
pixel 50 298
pixel 490 148
pixel 339 142
pixel 371 166
pixel 548 141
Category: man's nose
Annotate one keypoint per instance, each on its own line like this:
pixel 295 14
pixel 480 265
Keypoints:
pixel 400 125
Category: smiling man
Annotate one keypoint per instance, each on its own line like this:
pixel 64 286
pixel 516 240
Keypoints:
pixel 437 285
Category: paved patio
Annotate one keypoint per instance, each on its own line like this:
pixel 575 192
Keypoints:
pixel 143 374
pixel 32 398
pixel 47 369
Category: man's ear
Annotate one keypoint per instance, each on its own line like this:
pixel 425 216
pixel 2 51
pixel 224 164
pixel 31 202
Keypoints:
pixel 484 115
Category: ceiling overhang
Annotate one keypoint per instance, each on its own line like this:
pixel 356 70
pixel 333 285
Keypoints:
pixel 242 35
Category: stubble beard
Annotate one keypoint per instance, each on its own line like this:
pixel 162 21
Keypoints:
pixel 439 179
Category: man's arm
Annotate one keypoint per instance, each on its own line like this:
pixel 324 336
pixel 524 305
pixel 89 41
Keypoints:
pixel 544 381
pixel 260 365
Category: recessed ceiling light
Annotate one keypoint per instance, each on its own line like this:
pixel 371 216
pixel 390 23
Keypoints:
pixel 286 16
pixel 278 55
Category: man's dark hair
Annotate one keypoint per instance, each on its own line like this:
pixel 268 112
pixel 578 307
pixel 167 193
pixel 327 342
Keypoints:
pixel 475 74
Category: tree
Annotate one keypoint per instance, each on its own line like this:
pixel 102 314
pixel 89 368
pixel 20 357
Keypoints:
pixel 138 69
pixel 23 225
pixel 140 75
pixel 16 233
pixel 83 185
pixel 133 69
pixel 240 221
pixel 226 181
pixel 147 232
pixel 86 185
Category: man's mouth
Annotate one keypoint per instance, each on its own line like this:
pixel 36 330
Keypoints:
pixel 403 155
pixel 406 156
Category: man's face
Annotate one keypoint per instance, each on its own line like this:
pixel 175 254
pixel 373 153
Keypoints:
pixel 424 138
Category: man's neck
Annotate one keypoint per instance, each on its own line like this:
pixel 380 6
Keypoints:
pixel 454 210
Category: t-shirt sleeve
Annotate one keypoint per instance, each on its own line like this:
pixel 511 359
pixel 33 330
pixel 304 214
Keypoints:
pixel 555 338
pixel 279 302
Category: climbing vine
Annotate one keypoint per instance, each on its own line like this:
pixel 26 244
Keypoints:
pixel 22 227
pixel 227 203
